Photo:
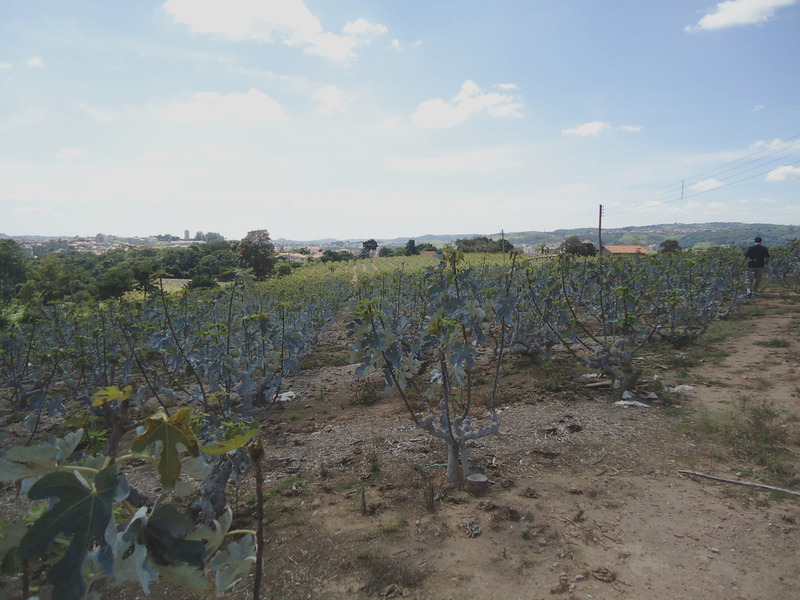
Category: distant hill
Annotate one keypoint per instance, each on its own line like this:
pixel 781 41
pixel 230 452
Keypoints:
pixel 687 235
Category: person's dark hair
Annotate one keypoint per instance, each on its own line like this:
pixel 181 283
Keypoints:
pixel 758 240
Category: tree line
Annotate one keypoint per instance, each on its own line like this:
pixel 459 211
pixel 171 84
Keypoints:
pixel 64 273
pixel 61 273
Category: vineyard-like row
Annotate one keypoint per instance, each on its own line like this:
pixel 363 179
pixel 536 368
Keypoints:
pixel 191 371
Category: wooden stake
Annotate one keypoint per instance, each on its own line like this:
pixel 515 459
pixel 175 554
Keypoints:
pixel 747 483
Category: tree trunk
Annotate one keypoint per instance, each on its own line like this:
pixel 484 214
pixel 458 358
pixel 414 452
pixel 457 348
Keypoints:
pixel 454 469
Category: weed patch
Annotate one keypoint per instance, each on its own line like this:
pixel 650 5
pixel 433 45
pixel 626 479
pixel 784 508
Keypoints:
pixel 326 356
pixel 750 431
pixel 774 343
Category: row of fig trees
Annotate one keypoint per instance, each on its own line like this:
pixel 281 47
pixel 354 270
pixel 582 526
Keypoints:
pixel 187 372
pixel 426 332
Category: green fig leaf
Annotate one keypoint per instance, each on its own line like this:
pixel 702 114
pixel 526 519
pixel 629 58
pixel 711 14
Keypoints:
pixel 80 512
pixel 170 432
pixel 240 440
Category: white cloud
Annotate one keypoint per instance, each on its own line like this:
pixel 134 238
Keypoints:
pixel 35 62
pixel 631 128
pixel 588 129
pixel 734 13
pixel 784 173
pixel 330 99
pixel 767 144
pixel 396 44
pixel 481 161
pixel 758 108
pixel 4 66
pixel 364 28
pixel 507 86
pixel 71 153
pixel 287 21
pixel 252 108
pixel 14 167
pixel 706 185
pixel 469 102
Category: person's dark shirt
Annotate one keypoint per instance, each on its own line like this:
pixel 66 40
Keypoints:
pixel 756 255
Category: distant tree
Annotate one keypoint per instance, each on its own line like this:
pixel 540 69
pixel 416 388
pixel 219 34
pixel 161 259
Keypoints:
pixel 483 244
pixel 504 245
pixel 284 270
pixel 144 275
pixel 574 245
pixel 304 251
pixel 203 281
pixel 58 276
pixel 401 252
pixel 257 252
pixel 426 247
pixel 670 246
pixel 384 251
pixel 329 256
pixel 13 269
pixel 211 236
pixel 411 248
pixel 542 249
pixel 114 283
pixel 368 248
pixel 332 256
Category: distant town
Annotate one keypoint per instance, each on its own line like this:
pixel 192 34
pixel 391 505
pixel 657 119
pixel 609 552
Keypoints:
pixel 697 235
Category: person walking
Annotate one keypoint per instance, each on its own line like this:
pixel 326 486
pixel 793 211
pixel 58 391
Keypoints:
pixel 756 257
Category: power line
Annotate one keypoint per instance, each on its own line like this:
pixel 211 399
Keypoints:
pixel 733 169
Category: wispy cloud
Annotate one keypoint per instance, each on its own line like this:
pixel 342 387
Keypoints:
pixel 35 62
pixel 251 108
pixel 784 173
pixel 330 99
pixel 469 102
pixel 588 129
pixel 706 185
pixel 289 22
pixel 736 13
pixel 597 128
pixel 4 66
pixel 71 153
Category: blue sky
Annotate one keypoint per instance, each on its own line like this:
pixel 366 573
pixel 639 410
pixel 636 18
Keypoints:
pixel 357 119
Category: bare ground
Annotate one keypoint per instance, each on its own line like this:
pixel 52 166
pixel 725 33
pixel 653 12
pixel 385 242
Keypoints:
pixel 586 498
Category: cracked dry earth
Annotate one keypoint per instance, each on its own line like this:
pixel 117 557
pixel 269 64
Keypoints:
pixel 586 498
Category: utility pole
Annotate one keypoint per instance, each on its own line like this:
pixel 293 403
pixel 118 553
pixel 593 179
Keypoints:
pixel 600 230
